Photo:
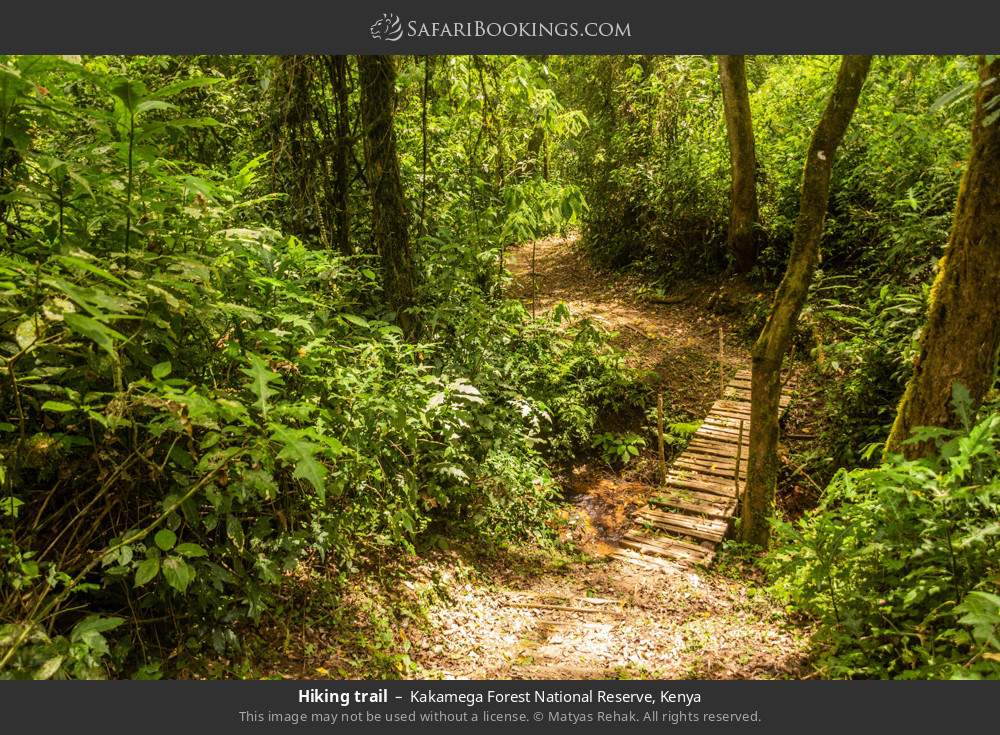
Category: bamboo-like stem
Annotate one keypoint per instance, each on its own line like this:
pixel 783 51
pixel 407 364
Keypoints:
pixel 722 365
pixel 739 458
pixel 659 436
pixel 39 612
pixel 534 279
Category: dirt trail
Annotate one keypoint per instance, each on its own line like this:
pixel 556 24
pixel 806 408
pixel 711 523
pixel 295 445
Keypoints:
pixel 600 618
pixel 677 340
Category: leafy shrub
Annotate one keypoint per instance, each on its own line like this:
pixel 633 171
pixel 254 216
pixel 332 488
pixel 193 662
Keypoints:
pixel 864 350
pixel 197 407
pixel 899 564
pixel 619 449
pixel 897 171
pixel 653 163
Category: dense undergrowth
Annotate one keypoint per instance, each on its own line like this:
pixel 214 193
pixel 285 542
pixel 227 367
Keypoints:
pixel 899 564
pixel 197 406
pixel 207 400
pixel 654 166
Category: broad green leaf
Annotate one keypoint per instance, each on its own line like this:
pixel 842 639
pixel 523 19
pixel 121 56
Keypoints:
pixel 261 378
pixel 165 539
pixel 190 550
pixel 356 320
pixel 77 263
pixel 161 370
pixel 94 624
pixel 26 334
pixel 234 530
pixel 101 335
pixel 10 505
pixel 129 92
pixel 58 406
pixel 307 467
pixel 177 572
pixel 146 570
pixel 47 669
pixel 149 105
pixel 953 95
pixel 82 182
pixel 169 90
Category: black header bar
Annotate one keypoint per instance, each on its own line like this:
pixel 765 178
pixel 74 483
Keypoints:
pixel 506 26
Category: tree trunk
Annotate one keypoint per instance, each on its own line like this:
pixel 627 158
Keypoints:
pixel 769 350
pixel 341 153
pixel 295 151
pixel 743 213
pixel 389 216
pixel 961 338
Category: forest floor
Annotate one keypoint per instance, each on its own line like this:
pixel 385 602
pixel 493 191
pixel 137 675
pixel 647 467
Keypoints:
pixel 536 614
pixel 596 618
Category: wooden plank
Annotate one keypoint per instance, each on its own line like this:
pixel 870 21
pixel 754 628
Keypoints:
pixel 652 563
pixel 694 480
pixel 669 527
pixel 714 441
pixel 729 416
pixel 699 496
pixel 715 427
pixel 652 525
pixel 710 454
pixel 685 525
pixel 719 470
pixel 717 436
pixel 708 463
pixel 712 448
pixel 665 549
pixel 688 521
pixel 726 419
pixel 740 406
pixel 724 434
pixel 669 547
pixel 724 422
pixel 715 419
pixel 695 464
pixel 714 506
pixel 702 486
pixel 718 433
pixel 689 473
pixel 744 396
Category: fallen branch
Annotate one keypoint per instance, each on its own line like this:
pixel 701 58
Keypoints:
pixel 545 606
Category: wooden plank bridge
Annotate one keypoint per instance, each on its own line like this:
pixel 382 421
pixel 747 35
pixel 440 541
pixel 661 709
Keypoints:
pixel 691 512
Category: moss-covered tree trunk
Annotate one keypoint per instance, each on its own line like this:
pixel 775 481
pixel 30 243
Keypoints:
pixel 743 212
pixel 337 66
pixel 296 152
pixel 769 350
pixel 961 338
pixel 389 215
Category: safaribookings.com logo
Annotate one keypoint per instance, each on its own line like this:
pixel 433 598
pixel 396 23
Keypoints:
pixel 387 28
pixel 390 28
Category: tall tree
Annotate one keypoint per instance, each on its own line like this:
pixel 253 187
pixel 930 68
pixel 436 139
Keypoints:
pixel 311 147
pixel 337 69
pixel 961 338
pixel 389 216
pixel 744 215
pixel 769 350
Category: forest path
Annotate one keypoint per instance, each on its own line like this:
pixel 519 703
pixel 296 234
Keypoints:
pixel 677 343
pixel 599 617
